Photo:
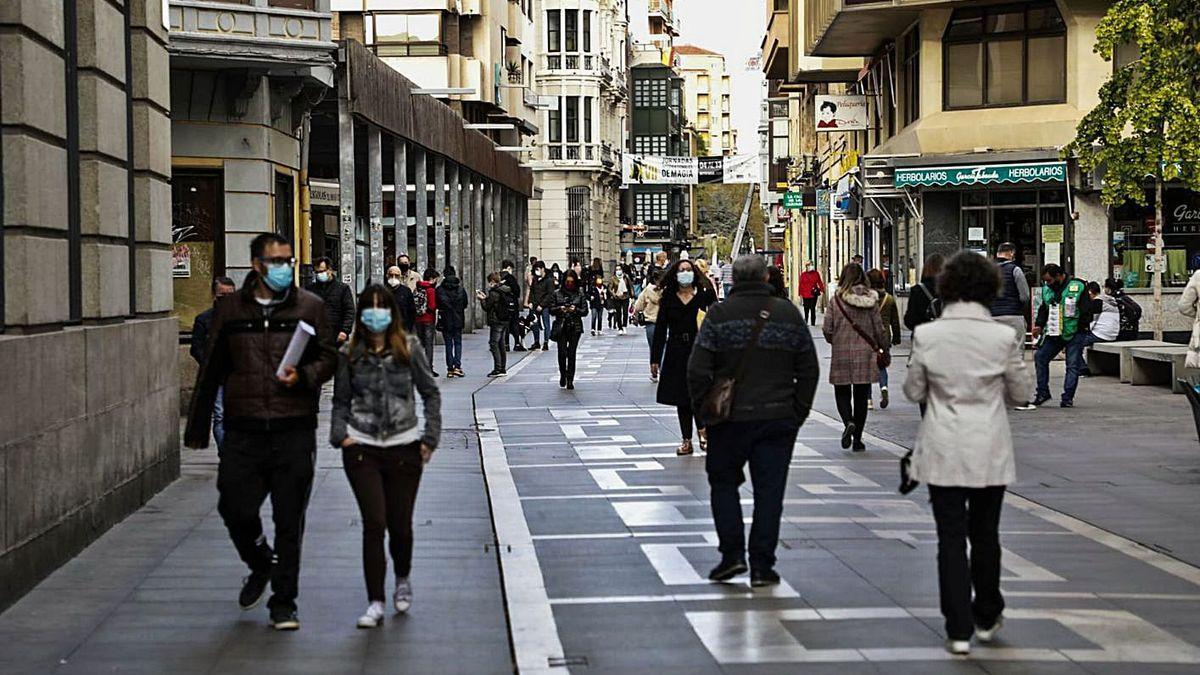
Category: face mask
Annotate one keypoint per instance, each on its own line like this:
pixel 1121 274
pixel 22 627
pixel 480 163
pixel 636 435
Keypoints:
pixel 278 277
pixel 404 267
pixel 570 284
pixel 323 277
pixel 685 278
pixel 377 319
pixel 393 282
pixel 619 273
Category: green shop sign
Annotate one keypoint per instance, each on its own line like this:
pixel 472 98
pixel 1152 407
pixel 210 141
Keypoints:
pixel 793 200
pixel 984 174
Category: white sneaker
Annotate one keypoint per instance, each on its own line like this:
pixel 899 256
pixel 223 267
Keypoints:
pixel 989 634
pixel 621 332
pixel 1027 406
pixel 403 596
pixel 373 617
pixel 958 647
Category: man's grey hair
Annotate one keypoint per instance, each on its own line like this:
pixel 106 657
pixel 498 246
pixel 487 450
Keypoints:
pixel 750 268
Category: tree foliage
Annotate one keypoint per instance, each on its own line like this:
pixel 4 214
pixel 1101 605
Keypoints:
pixel 1148 118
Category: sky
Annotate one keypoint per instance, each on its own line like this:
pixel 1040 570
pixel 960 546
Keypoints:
pixel 731 27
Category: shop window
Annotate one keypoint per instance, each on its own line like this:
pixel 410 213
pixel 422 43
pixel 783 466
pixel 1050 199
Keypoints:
pixel 1004 55
pixel 198 240
pixel 1133 239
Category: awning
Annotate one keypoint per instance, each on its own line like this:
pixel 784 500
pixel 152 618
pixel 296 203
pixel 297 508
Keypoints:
pixel 981 174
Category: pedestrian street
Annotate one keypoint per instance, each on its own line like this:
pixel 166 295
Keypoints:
pixel 606 538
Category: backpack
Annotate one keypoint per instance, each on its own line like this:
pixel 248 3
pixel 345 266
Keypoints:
pixel 421 300
pixel 934 310
pixel 507 308
pixel 1131 313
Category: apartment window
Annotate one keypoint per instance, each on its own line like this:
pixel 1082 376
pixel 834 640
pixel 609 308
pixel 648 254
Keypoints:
pixel 571 23
pixel 650 145
pixel 650 93
pixel 702 120
pixel 408 34
pixel 587 30
pixel 702 83
pixel 1005 55
pixel 579 225
pixel 702 101
pixel 572 119
pixel 911 72
pixel 555 122
pixel 588 101
pixel 554 30
pixel 652 207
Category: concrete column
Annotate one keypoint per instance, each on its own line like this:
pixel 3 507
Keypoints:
pixel 495 228
pixel 400 168
pixel 440 214
pixel 422 211
pixel 454 255
pixel 464 245
pixel 346 179
pixel 478 266
pixel 375 202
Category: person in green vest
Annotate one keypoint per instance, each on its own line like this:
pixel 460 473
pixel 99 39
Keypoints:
pixel 1062 322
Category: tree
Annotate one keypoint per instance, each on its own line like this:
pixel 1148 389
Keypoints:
pixel 1147 124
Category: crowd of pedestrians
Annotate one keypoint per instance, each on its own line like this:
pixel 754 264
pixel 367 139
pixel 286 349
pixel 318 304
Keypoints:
pixel 727 350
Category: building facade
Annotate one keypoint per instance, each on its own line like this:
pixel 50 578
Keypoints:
pixel 707 99
pixel 87 344
pixel 244 78
pixel 582 74
pixel 967 110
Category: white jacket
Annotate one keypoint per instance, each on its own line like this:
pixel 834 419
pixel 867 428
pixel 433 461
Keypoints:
pixel 967 369
pixel 1188 305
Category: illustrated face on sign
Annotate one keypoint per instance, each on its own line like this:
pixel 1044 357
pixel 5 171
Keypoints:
pixel 825 116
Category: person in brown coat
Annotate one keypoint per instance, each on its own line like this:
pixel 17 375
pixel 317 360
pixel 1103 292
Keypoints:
pixel 855 330
pixel 891 325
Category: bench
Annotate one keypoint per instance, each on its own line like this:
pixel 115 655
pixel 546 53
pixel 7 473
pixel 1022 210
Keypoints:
pixel 1112 358
pixel 1160 365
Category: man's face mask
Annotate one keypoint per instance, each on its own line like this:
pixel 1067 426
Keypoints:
pixel 278 276
pixel 404 266
pixel 394 282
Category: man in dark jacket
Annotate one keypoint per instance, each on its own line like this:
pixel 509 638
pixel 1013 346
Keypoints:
pixel 404 297
pixel 509 279
pixel 452 307
pixel 338 298
pixel 1010 305
pixel 771 399
pixel 201 326
pixel 498 298
pixel 541 296
pixel 270 418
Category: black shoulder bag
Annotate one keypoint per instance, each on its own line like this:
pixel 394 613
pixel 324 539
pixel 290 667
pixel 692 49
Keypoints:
pixel 718 404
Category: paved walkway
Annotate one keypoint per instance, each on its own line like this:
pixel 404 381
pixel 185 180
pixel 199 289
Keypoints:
pixel 158 592
pixel 604 537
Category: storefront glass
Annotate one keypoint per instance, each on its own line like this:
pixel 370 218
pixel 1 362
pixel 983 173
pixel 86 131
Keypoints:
pixel 1133 239
pixel 197 240
pixel 1033 220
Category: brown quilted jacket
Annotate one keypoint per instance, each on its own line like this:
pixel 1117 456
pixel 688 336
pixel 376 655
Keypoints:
pixel 246 345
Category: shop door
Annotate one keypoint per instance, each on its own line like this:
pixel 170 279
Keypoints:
pixel 1018 226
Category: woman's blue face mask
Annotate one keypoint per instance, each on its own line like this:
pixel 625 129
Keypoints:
pixel 377 319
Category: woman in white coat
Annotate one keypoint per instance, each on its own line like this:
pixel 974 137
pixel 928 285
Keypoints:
pixel 967 370
pixel 1189 302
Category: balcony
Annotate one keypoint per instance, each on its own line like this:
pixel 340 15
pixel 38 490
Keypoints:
pixel 857 27
pixel 286 35
pixel 586 64
pixel 775 46
pixel 582 154
pixel 661 11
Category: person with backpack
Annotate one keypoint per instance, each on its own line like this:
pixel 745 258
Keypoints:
pixel 384 449
pixel 854 329
pixel 541 294
pixel 891 327
pixel 452 307
pixel 1012 301
pixel 1062 322
pixel 1131 312
pixel 597 299
pixel 569 307
pixel 498 303
pixel 515 330
pixel 923 303
pixel 425 302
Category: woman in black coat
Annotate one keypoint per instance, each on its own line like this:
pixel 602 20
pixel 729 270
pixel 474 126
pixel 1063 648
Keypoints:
pixel 685 293
pixel 569 307
pixel 923 303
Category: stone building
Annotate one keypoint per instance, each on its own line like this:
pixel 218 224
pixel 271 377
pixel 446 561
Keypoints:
pixel 583 72
pixel 89 426
pixel 707 99
pixel 244 78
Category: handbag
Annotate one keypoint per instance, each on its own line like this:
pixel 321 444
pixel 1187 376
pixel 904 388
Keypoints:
pixel 907 484
pixel 883 357
pixel 718 403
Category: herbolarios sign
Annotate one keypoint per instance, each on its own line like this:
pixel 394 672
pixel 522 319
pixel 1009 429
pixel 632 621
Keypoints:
pixel 982 174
